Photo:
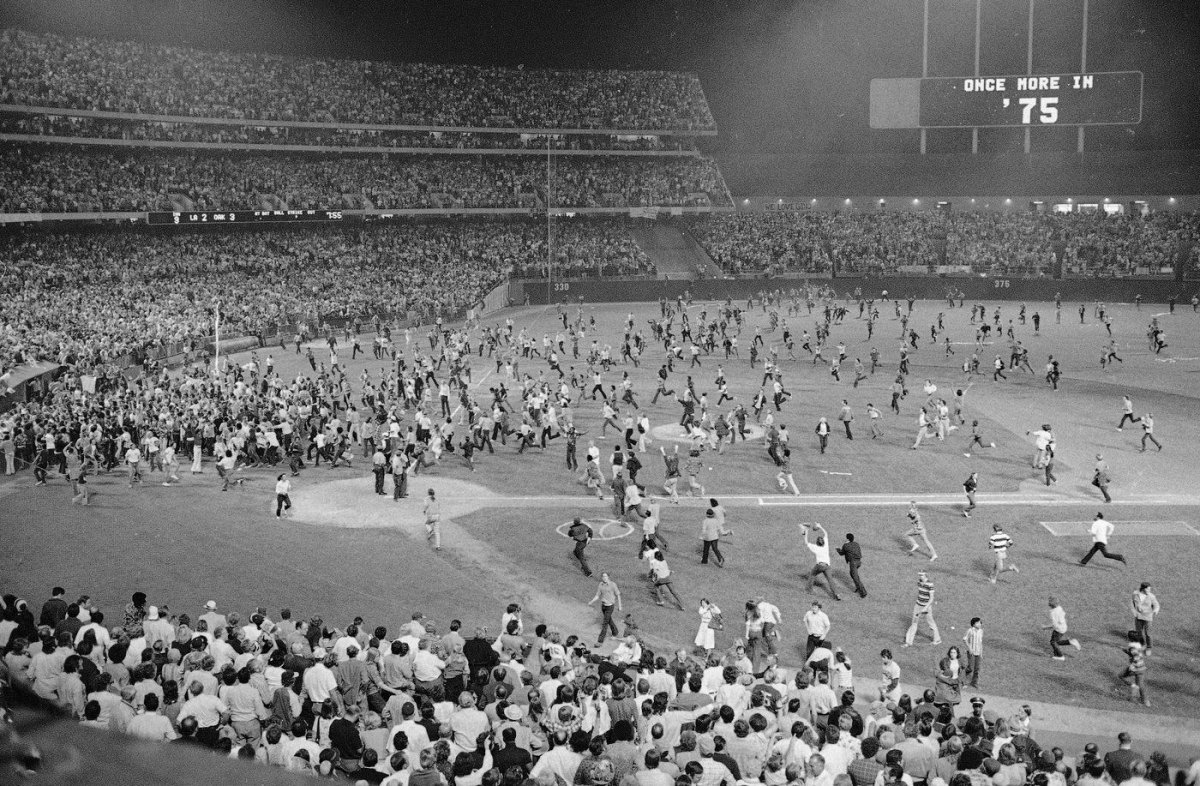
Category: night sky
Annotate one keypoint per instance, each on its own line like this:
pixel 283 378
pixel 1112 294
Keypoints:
pixel 787 77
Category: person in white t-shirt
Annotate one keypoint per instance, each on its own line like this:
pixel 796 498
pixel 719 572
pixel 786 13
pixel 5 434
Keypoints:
pixel 820 551
pixel 133 460
pixel 283 498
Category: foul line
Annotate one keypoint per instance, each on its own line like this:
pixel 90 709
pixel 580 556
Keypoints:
pixel 847 500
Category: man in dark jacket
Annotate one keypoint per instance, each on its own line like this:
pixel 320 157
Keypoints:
pixel 853 555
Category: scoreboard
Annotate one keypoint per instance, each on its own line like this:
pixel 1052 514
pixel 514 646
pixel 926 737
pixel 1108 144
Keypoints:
pixel 1026 100
pixel 201 217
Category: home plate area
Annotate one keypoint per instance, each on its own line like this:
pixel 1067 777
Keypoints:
pixel 1124 529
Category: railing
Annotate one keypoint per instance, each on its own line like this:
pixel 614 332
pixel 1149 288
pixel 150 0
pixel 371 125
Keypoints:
pixel 92 141
pixel 218 121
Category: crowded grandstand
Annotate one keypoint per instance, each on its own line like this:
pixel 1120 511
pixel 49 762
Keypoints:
pixel 431 216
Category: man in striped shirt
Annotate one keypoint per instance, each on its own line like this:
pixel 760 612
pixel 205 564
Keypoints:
pixel 999 543
pixel 923 610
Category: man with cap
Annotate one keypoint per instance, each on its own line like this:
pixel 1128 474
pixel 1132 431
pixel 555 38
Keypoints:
pixel 711 530
pixel 1145 608
pixel 1101 530
pixel 157 629
pixel 211 617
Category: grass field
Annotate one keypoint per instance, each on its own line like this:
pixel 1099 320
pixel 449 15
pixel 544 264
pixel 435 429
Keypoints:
pixel 348 552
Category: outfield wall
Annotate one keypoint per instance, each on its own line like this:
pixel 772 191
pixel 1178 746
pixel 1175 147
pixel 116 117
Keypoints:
pixel 974 288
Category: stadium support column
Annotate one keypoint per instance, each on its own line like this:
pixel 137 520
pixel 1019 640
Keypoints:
pixel 1029 62
pixel 978 17
pixel 549 225
pixel 924 56
pixel 1082 69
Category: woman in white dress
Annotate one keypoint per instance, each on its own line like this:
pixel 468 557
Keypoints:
pixel 705 637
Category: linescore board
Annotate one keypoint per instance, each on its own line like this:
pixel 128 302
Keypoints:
pixel 1025 100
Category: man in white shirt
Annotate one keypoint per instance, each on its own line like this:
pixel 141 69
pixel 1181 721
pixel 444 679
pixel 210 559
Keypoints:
pixel 427 672
pixel 150 725
pixel 468 722
pixel 561 761
pixel 817 625
pixel 103 639
pixel 320 685
pixel 1102 530
pixel 212 618
pixel 157 629
pixel 208 711
pixel 772 618
pixel 1058 632
pixel 820 551
pixel 220 648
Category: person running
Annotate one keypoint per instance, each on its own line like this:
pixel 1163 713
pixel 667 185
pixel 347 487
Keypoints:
pixel 820 551
pixel 784 477
pixel 1058 630
pixel 660 572
pixel 917 530
pixel 977 439
pixel 433 520
pixel 1100 477
pixel 999 543
pixel 969 486
pixel 581 533
pixel 923 611
pixel 1148 432
pixel 283 499
pixel 1102 530
pixel 1126 412
pixel 671 482
pixel 876 418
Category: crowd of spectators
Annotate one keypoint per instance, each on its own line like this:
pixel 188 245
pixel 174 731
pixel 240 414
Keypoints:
pixel 243 133
pixel 85 298
pixel 436 705
pixel 123 76
pixel 1021 243
pixel 57 178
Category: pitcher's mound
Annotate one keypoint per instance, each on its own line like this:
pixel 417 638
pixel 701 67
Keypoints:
pixel 673 432
pixel 353 502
